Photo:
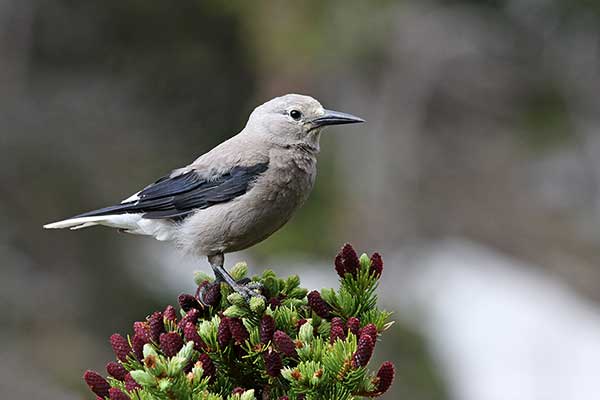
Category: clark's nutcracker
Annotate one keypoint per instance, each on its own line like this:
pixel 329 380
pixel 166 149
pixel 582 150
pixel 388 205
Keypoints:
pixel 237 194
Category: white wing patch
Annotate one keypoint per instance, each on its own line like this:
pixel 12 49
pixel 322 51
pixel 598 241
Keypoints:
pixel 132 198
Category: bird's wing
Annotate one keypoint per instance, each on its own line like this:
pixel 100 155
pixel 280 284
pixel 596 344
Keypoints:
pixel 179 195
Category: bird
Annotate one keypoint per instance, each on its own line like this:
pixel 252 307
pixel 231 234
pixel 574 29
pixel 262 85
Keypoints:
pixel 235 195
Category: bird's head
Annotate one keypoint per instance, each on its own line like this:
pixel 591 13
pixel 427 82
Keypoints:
pixel 294 119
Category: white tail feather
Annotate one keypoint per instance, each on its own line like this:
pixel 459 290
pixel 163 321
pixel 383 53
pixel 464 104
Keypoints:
pixel 131 223
pixel 123 221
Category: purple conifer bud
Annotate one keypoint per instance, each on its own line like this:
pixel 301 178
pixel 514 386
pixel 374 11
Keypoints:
pixel 223 332
pixel 337 330
pixel 208 366
pixel 212 295
pixel 273 363
pixel 284 343
pixel 156 325
pixel 96 383
pixel 353 325
pixel 191 316
pixel 351 262
pixel 117 394
pixel 385 377
pixel 364 351
pixel 116 370
pixel 191 334
pixel 170 314
pixel 318 305
pixel 274 302
pixel 339 265
pixel 120 346
pixel 238 390
pixel 369 330
pixel 170 343
pixel 188 302
pixel 376 265
pixel 238 330
pixel 130 383
pixel 138 346
pixel 266 329
pixel 142 329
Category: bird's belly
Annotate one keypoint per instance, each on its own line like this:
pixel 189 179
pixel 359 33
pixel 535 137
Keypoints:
pixel 245 221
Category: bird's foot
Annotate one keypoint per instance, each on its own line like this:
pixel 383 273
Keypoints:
pixel 248 289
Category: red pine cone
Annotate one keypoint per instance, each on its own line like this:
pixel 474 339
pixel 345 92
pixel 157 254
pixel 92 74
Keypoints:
pixel 188 302
pixel 238 390
pixel 376 265
pixel 96 383
pixel 353 325
pixel 156 325
pixel 364 351
pixel 192 316
pixel 212 295
pixel 191 334
pixel 117 394
pixel 116 370
pixel 142 329
pixel 170 343
pixel 385 377
pixel 350 259
pixel 238 330
pixel 273 363
pixel 369 330
pixel 284 398
pixel 138 346
pixel 266 329
pixel 130 383
pixel 223 332
pixel 274 302
pixel 208 366
pixel 339 265
pixel 337 330
pixel 284 343
pixel 318 305
pixel 170 314
pixel 300 322
pixel 120 346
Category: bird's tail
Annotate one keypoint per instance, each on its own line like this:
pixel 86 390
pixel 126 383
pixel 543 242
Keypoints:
pixel 122 221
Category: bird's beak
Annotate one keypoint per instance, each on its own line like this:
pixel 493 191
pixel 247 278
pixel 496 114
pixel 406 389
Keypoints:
pixel 335 118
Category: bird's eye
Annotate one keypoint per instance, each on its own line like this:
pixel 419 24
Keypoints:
pixel 295 114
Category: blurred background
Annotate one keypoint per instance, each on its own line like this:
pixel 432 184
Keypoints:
pixel 477 176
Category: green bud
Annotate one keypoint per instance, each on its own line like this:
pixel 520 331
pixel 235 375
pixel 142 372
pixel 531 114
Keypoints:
pixel 164 385
pixel 292 282
pixel 298 293
pixel 235 312
pixel 306 332
pixel 200 277
pixel 149 350
pixel 248 395
pixel 236 299
pixel 328 295
pixel 257 305
pixel 365 262
pixel 186 351
pixel 143 378
pixel 239 271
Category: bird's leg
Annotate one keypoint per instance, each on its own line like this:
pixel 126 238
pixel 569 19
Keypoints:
pixel 245 287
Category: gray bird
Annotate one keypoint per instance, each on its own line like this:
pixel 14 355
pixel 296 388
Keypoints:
pixel 237 194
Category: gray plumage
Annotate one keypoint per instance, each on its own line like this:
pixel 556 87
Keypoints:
pixel 237 194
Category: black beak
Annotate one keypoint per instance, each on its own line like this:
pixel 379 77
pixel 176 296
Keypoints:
pixel 336 118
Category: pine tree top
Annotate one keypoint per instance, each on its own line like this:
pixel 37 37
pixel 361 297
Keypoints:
pixel 295 345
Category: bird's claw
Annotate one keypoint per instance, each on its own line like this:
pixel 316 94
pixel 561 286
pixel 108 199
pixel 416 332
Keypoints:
pixel 249 289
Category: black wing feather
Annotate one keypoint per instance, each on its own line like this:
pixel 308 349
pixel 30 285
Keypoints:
pixel 181 195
